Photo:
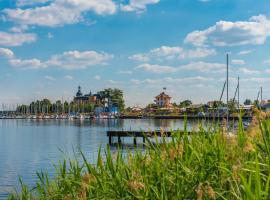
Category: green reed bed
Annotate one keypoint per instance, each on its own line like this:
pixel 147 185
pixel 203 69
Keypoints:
pixel 206 165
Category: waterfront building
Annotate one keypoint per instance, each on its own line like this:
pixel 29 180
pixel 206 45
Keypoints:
pixel 163 100
pixel 87 98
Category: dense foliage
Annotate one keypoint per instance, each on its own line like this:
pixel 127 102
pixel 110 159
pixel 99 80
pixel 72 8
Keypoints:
pixel 211 164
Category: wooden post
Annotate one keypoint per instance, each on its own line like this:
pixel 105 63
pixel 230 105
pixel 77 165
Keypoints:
pixel 119 140
pixel 134 141
pixel 110 140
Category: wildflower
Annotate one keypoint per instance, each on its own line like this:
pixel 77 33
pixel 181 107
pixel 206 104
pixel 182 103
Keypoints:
pixel 199 191
pixel 235 172
pixel 210 192
pixel 248 147
pixel 136 185
pixel 147 160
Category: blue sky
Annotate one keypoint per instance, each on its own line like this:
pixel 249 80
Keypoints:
pixel 49 47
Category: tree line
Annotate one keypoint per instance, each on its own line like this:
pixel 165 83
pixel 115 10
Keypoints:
pixel 110 97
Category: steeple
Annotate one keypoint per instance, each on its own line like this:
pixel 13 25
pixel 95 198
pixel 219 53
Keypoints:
pixel 79 93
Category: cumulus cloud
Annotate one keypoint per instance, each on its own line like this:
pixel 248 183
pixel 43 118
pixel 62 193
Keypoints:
pixel 245 52
pixel 68 77
pixel 267 62
pixel 248 71
pixel 204 67
pixel 97 77
pixel 6 53
pixel 238 62
pixel 21 3
pixel 78 60
pixel 199 66
pixel 137 5
pixel 59 12
pixel 49 78
pixel 16 39
pixel 170 80
pixel 68 60
pixel 159 69
pixel 27 64
pixel 125 72
pixel 176 52
pixel 255 31
pixel 139 57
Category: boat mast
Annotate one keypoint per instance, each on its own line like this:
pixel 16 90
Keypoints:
pixel 227 88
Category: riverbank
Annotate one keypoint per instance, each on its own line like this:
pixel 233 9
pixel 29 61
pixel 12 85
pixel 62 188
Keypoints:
pixel 210 165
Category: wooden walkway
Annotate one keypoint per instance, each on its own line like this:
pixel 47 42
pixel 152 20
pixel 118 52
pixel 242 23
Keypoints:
pixel 140 134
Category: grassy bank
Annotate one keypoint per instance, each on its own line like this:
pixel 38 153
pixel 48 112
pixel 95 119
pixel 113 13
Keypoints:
pixel 207 165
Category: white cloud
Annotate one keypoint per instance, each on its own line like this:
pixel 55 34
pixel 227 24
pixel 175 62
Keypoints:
pixel 170 80
pixel 179 52
pixel 248 71
pixel 27 64
pixel 245 52
pixel 68 77
pixel 266 62
pixel 225 33
pixel 156 68
pixel 50 35
pixel 59 12
pixel 169 52
pixel 16 39
pixel 97 77
pixel 68 60
pixel 199 66
pixel 267 71
pixel 204 67
pixel 19 29
pixel 139 57
pixel 78 60
pixel 6 53
pixel 137 5
pixel 21 3
pixel 125 72
pixel 50 78
pixel 257 79
pixel 238 62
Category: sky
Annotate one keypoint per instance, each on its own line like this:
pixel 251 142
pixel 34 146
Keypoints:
pixel 50 47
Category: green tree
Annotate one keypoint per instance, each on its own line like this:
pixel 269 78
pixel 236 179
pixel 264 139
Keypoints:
pixel 185 103
pixel 247 102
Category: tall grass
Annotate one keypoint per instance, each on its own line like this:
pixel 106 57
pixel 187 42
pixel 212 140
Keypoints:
pixel 206 165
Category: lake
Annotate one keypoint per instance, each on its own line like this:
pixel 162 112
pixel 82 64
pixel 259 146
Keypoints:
pixel 28 146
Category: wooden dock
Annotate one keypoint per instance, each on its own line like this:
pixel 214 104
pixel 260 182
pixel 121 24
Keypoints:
pixel 140 134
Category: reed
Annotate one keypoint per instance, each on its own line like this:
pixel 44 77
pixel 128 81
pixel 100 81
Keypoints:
pixel 208 165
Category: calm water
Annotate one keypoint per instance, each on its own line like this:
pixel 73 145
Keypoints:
pixel 27 146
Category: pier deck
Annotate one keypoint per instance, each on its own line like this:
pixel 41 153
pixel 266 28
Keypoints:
pixel 140 134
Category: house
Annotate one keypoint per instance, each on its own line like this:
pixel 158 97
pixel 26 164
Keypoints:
pixel 163 100
pixel 87 98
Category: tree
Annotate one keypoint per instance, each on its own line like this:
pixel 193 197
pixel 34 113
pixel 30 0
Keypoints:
pixel 185 103
pixel 114 97
pixel 232 104
pixel 247 102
